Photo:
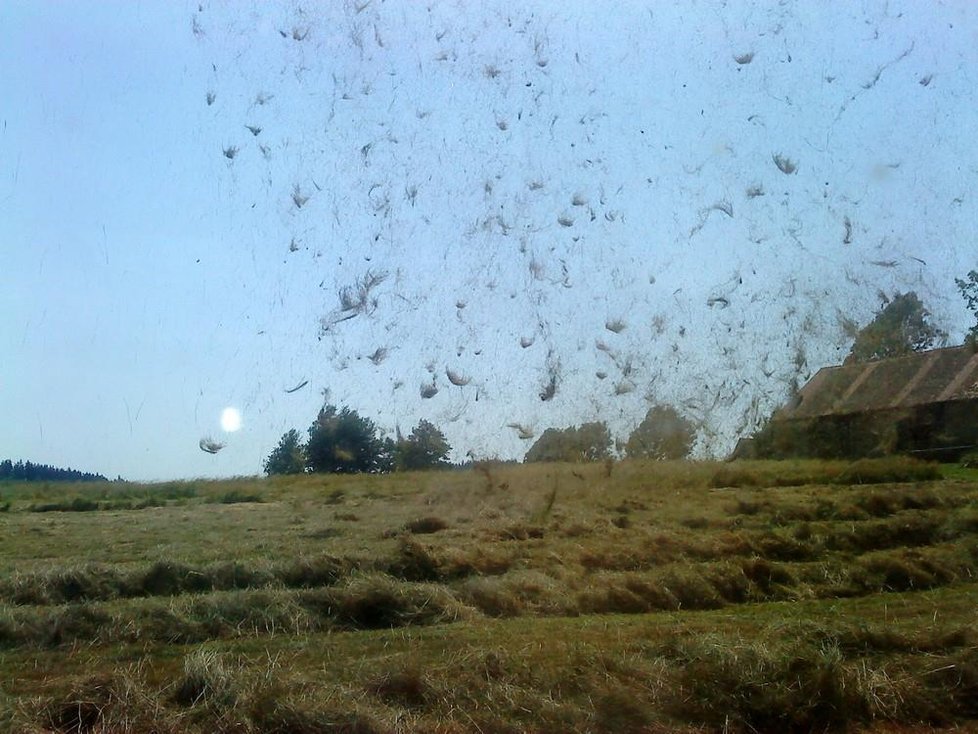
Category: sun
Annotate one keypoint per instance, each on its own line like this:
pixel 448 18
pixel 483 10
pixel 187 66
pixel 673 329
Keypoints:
pixel 230 419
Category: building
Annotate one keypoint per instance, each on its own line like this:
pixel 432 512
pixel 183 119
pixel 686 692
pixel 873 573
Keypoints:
pixel 924 404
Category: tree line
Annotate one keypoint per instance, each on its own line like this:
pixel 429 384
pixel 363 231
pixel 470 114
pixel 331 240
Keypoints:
pixel 340 441
pixel 27 471
pixel 664 434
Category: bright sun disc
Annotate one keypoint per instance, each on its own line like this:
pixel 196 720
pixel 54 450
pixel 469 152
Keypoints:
pixel 230 419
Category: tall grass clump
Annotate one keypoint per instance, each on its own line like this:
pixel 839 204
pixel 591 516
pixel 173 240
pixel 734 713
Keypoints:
pixel 309 572
pixel 207 679
pixel 74 504
pixel 169 578
pixel 407 687
pixel 626 594
pixel 237 496
pixel 426 525
pixel 901 571
pixel 377 601
pixel 754 687
pixel 249 614
pixel 121 701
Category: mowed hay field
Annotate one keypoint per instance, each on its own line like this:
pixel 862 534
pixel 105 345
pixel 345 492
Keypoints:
pixel 625 597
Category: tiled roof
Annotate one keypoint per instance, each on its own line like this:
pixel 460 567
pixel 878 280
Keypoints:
pixel 917 379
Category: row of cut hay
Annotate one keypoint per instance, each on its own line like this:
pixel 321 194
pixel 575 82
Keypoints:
pixel 861 545
pixel 98 582
pixel 887 470
pixel 804 542
pixel 379 601
pixel 858 505
pixel 411 561
pixel 369 601
pixel 793 680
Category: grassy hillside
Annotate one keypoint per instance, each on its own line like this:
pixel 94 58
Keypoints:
pixel 624 597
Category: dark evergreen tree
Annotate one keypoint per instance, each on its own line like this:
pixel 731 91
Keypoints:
pixel 343 442
pixel 425 448
pixel 288 457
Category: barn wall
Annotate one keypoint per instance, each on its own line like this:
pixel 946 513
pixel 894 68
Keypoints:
pixel 945 430
pixel 938 430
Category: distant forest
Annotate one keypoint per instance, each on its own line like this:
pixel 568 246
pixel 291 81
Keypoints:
pixel 26 471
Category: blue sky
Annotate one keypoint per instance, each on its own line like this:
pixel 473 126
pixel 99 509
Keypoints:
pixel 513 176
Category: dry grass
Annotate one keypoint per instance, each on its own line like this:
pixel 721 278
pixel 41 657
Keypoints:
pixel 637 596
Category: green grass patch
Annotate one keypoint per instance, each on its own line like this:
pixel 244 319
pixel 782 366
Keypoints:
pixel 891 469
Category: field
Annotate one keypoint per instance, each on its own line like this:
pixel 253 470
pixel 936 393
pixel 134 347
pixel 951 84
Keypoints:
pixel 624 597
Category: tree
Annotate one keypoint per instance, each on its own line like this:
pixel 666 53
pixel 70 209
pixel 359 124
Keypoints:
pixel 588 442
pixel 385 459
pixel 663 434
pixel 969 292
pixel 289 457
pixel 425 448
pixel 343 442
pixel 901 327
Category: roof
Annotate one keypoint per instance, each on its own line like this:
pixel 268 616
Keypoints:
pixel 935 376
